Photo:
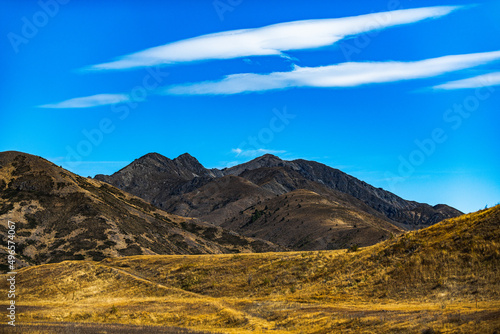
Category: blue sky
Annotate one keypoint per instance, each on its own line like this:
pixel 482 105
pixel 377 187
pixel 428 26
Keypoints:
pixel 404 95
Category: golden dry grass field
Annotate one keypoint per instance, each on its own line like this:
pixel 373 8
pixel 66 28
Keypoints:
pixel 442 279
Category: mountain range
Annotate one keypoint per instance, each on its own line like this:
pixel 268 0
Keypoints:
pixel 62 216
pixel 157 205
pixel 299 204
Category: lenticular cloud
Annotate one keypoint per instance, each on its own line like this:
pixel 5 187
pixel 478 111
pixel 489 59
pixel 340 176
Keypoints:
pixel 270 40
pixel 88 101
pixel 349 74
pixel 484 80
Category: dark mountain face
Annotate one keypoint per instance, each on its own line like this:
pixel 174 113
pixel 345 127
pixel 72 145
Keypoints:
pixel 62 216
pixel 406 214
pixel 218 200
pixel 153 174
pixel 188 162
pixel 281 180
pixel 267 160
pixel 183 186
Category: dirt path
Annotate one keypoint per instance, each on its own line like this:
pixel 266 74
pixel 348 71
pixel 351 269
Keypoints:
pixel 147 280
pixel 253 319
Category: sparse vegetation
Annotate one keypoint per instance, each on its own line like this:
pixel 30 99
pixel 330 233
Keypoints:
pixel 353 248
pixel 421 282
pixel 256 215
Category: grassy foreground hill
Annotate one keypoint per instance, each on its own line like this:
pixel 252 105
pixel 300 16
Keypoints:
pixel 442 279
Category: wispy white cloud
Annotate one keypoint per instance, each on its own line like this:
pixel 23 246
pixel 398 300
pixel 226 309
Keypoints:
pixel 485 80
pixel 254 153
pixel 125 162
pixel 348 74
pixel 89 101
pixel 272 39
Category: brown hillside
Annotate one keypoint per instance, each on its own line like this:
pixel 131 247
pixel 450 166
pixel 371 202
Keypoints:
pixel 184 187
pixel 218 200
pixel 443 279
pixel 299 219
pixel 305 220
pixel 61 216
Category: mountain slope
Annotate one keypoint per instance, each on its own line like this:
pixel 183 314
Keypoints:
pixel 308 220
pixel 218 200
pixel 225 197
pixel 304 220
pixel 281 180
pixel 441 279
pixel 61 216
pixel 407 214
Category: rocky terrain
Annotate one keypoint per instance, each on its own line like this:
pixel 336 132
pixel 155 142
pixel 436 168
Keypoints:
pixel 62 216
pixel 339 210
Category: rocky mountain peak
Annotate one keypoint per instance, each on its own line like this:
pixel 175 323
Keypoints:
pixel 267 160
pixel 154 158
pixel 190 163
